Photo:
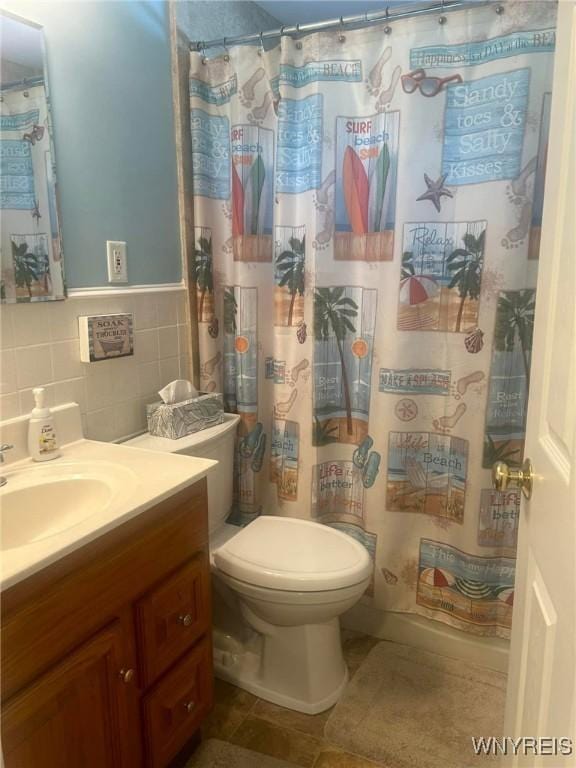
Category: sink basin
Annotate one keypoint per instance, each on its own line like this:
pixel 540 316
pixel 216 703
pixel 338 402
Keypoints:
pixel 40 502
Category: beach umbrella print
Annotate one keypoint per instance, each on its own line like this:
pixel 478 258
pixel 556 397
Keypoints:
pixel 417 289
pixel 437 577
pixel 506 595
pixel 474 590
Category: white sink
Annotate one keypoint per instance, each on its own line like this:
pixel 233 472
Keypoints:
pixel 50 509
pixel 43 501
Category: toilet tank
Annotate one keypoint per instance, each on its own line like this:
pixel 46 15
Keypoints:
pixel 212 443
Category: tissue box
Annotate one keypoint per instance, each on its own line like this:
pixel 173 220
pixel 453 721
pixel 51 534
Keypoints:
pixel 184 418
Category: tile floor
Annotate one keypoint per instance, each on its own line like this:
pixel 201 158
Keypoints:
pixel 243 719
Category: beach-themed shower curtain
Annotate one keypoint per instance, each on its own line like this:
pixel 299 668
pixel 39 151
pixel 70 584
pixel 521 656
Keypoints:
pixel 30 254
pixel 367 214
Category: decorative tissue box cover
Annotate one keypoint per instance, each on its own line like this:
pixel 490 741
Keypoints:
pixel 181 419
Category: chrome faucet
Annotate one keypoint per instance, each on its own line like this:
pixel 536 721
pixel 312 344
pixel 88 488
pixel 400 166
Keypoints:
pixel 4 447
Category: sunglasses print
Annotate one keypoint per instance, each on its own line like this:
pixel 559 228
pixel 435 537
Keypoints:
pixel 428 86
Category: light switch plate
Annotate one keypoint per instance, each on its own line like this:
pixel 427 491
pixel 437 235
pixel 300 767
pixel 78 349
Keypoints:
pixel 116 259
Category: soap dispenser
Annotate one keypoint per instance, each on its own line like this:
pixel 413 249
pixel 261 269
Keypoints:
pixel 42 443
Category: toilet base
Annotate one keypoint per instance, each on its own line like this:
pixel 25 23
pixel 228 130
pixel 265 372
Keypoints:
pixel 301 668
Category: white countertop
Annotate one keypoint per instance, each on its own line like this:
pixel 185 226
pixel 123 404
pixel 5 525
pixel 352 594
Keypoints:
pixel 143 479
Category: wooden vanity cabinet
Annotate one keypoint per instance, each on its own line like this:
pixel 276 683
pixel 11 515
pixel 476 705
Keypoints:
pixel 107 653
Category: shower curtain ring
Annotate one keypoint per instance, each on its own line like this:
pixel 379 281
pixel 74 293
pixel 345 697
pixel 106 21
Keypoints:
pixel 261 49
pixel 202 49
pixel 442 19
pixel 341 36
pixel 387 28
pixel 227 54
pixel 298 43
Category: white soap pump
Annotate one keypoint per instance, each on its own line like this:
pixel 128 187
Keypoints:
pixel 42 443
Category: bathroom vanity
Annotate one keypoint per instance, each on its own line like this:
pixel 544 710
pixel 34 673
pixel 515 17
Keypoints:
pixel 106 644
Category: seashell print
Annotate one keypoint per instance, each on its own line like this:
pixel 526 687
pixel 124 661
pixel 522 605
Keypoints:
pixel 390 577
pixel 474 341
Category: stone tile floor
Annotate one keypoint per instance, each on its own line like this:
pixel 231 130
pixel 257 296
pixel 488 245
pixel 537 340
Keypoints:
pixel 240 718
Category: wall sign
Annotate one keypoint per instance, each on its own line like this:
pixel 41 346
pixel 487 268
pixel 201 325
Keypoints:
pixel 104 337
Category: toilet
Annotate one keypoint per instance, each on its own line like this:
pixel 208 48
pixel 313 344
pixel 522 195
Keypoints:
pixel 279 587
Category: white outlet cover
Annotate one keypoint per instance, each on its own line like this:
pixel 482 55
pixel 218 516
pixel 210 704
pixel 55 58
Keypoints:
pixel 117 262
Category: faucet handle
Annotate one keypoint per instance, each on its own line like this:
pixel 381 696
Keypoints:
pixel 4 447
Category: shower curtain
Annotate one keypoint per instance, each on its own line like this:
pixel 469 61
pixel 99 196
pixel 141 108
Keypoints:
pixel 366 231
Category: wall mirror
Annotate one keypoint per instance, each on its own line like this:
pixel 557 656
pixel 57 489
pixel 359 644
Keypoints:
pixel 31 250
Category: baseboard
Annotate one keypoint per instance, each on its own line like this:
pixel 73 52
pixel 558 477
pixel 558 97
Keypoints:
pixel 429 635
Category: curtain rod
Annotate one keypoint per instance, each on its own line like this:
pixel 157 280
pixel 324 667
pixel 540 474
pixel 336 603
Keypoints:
pixel 371 17
pixel 26 82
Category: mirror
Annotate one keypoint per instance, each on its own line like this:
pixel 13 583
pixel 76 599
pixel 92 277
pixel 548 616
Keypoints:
pixel 30 249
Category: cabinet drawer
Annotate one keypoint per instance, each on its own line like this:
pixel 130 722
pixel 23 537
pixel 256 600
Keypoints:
pixel 176 706
pixel 172 617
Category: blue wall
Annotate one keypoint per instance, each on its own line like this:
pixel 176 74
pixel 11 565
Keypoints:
pixel 109 73
pixel 208 19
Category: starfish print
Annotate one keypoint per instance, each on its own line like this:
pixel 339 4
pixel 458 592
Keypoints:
pixel 435 191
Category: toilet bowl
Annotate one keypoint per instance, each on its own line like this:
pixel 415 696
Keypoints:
pixel 280 585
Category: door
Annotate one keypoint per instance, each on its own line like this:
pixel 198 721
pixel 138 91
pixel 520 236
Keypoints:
pixel 542 675
pixel 75 714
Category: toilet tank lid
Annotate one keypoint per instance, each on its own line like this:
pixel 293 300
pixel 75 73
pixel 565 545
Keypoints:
pixel 293 555
pixel 188 443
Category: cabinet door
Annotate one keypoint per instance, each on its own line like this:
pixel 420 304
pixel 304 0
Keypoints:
pixel 75 714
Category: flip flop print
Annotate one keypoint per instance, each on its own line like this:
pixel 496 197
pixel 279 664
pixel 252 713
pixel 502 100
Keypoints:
pixel 371 470
pixel 360 455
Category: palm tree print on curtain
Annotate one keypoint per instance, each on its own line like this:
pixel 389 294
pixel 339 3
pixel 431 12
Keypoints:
pixel 465 265
pixel 441 276
pixel 509 377
pixel 202 275
pixel 289 275
pixel 344 323
pixel 31 266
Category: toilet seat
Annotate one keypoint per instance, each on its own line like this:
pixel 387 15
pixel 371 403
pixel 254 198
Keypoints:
pixel 294 556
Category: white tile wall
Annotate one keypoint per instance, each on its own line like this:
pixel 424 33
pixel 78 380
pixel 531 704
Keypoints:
pixel 39 346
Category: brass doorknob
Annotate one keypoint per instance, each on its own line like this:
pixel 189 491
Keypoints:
pixel 503 476
pixel 127 675
pixel 189 706
pixel 185 620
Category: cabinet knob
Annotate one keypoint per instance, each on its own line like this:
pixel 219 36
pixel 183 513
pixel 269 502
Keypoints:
pixel 189 706
pixel 127 675
pixel 185 620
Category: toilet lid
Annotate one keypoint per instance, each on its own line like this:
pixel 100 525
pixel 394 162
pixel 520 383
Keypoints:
pixel 293 555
